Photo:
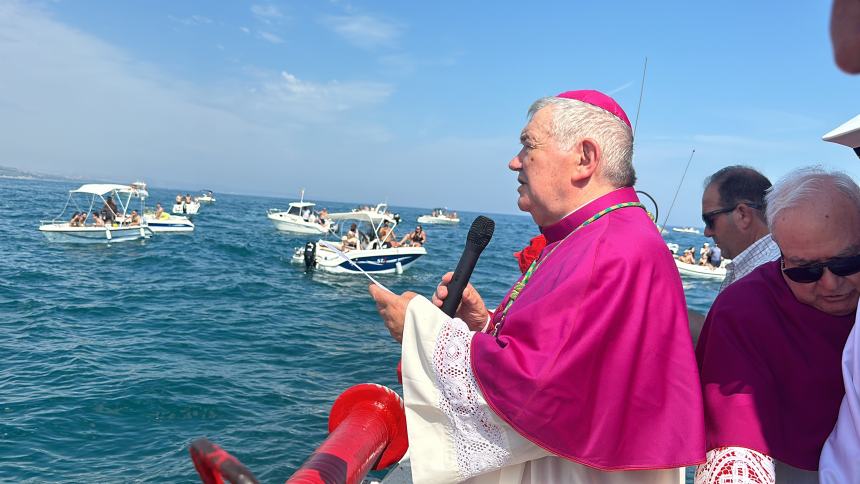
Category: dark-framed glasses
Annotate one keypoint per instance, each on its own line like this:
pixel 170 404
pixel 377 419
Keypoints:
pixel 840 266
pixel 710 217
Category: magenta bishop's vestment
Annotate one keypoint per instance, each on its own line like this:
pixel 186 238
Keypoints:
pixel 594 361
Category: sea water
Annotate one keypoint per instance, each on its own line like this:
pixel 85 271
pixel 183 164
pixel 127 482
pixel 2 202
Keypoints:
pixel 114 358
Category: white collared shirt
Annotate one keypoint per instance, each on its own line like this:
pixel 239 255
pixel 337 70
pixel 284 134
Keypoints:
pixel 761 251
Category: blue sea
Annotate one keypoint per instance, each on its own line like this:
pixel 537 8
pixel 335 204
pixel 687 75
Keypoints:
pixel 114 358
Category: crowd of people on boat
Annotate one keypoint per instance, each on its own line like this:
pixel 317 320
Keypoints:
pixel 313 216
pixel 442 213
pixel 709 256
pixel 383 238
pixel 108 216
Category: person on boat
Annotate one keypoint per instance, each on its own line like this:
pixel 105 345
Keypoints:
pixel 178 200
pixel 688 257
pixel 704 253
pixel 109 210
pixel 562 383
pixel 188 200
pixel 715 258
pixel 134 219
pixel 323 216
pixel 74 221
pixel 776 334
pixel 159 211
pixel 386 236
pixel 416 238
pixel 97 220
pixel 350 240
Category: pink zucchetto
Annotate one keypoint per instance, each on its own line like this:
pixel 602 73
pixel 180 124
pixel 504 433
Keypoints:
pixel 597 98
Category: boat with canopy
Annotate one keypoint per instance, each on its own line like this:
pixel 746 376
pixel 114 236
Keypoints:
pixel 91 200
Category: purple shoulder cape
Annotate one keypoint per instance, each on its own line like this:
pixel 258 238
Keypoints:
pixel 594 362
pixel 771 369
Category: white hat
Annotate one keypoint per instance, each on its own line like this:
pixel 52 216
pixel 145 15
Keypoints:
pixel 848 134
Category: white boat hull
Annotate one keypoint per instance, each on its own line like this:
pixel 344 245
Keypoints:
pixel 64 233
pixel 205 199
pixel 286 222
pixel 170 224
pixel 429 219
pixel 376 261
pixel 695 270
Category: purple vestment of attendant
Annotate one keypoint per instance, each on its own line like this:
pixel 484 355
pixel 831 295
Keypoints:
pixel 594 361
pixel 771 369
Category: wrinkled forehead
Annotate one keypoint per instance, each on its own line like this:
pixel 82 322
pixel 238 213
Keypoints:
pixel 810 233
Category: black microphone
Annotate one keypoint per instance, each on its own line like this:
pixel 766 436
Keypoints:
pixel 479 236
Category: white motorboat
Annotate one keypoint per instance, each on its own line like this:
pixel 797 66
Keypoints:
pixel 696 270
pixel 380 209
pixel 439 216
pixel 168 223
pixel 300 218
pixel 372 254
pixel 688 230
pixel 187 209
pixel 206 197
pixel 119 229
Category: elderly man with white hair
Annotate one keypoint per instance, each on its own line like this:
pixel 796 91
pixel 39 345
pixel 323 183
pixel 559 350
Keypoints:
pixel 585 372
pixel 769 353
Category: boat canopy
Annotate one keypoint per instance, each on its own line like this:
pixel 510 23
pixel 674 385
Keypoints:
pixel 102 189
pixel 365 216
pixel 302 204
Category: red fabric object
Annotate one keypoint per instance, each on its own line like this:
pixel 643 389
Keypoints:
pixel 526 256
pixel 771 370
pixel 597 98
pixel 594 360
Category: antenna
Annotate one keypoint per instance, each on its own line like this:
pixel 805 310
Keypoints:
pixel 641 91
pixel 676 191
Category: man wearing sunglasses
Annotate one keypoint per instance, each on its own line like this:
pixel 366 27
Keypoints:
pixel 770 349
pixel 733 212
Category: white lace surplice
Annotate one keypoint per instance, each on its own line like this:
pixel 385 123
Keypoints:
pixel 454 436
pixel 840 459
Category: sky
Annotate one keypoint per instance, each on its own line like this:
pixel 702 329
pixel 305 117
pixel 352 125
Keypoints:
pixel 414 103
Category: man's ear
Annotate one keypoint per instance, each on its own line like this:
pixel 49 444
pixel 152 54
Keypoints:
pixel 589 155
pixel 745 216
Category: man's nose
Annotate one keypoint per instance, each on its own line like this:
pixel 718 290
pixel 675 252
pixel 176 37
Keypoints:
pixel 515 164
pixel 830 281
pixel 709 232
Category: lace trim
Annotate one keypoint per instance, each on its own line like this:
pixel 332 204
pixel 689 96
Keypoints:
pixel 736 465
pixel 480 443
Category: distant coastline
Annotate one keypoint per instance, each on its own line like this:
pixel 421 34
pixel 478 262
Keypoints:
pixel 9 172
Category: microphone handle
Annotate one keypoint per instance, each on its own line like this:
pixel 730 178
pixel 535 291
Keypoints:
pixel 460 279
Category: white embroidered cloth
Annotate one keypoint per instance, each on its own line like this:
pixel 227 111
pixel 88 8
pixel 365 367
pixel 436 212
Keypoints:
pixel 454 436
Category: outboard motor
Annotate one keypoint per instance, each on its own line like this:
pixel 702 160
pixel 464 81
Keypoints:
pixel 310 256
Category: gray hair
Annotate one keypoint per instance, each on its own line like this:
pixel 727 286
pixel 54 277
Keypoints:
pixel 573 120
pixel 804 185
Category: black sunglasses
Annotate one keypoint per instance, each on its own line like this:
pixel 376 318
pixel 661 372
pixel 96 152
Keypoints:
pixel 840 266
pixel 709 217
